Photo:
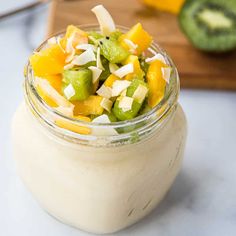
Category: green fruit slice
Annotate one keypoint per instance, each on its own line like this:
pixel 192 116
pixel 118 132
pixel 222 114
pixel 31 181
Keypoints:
pixel 134 85
pixel 113 51
pixel 210 24
pixel 126 115
pixel 81 80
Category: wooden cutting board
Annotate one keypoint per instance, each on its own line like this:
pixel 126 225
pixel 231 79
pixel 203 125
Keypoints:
pixel 196 69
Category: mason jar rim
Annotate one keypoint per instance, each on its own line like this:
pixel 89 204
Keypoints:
pixel 168 101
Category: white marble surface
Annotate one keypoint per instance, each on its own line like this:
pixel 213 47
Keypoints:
pixel 202 200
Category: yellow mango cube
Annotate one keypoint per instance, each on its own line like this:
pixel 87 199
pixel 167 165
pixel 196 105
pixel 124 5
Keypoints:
pixel 73 127
pixel 138 36
pixel 55 81
pixel 49 100
pixel 49 61
pixel 137 69
pixel 89 106
pixel 82 118
pixel 79 36
pixel 172 6
pixel 156 83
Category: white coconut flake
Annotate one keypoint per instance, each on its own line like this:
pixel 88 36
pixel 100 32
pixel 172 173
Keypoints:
pixel 59 43
pixel 52 93
pixel 92 39
pixel 125 103
pixel 84 58
pixel 124 70
pixel 107 25
pixel 166 72
pixel 119 86
pixel 113 67
pixel 52 41
pixel 158 56
pixel 69 44
pixel 68 66
pixel 70 57
pixel 132 46
pixel 86 46
pixel 69 91
pixel 140 93
pixel 99 62
pixel 67 111
pixel 104 91
pixel 103 119
pixel 106 104
pixel 152 51
pixel 123 93
pixel 96 73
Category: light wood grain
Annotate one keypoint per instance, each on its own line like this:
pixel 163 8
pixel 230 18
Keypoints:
pixel 196 69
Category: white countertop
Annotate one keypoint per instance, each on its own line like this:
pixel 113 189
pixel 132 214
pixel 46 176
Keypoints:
pixel 202 200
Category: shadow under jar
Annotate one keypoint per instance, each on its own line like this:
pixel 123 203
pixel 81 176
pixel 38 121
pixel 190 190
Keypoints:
pixel 100 182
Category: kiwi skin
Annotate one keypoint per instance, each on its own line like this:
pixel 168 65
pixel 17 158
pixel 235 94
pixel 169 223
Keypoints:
pixel 222 40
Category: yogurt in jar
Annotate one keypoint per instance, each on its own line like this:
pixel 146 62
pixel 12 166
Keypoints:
pixel 100 190
pixel 94 173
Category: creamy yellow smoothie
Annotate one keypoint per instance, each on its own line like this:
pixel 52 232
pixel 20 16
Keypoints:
pixel 99 139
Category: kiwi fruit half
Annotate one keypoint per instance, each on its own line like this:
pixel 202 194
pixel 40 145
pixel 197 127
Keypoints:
pixel 210 24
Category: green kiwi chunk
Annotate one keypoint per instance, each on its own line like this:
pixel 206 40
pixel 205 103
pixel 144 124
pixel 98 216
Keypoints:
pixel 113 51
pixel 210 24
pixel 81 80
pixel 126 115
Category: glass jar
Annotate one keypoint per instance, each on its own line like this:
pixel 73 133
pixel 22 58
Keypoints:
pixel 107 176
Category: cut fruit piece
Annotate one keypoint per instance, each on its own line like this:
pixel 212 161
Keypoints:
pixel 124 70
pixel 98 59
pixel 166 73
pixel 50 95
pixel 138 36
pixel 115 35
pixel 172 6
pixel 106 104
pixel 82 118
pixel 55 81
pixel 134 85
pixel 104 91
pixel 125 103
pixel 113 67
pixel 110 80
pixel 107 25
pixel 96 73
pixel 103 119
pixel 72 126
pixel 86 46
pixel 138 72
pixel 111 116
pixel 79 36
pixel 138 90
pixel 156 83
pixel 48 99
pixel 82 82
pixel 132 46
pixel 94 35
pixel 119 86
pixel 90 106
pixel 157 56
pixel 84 58
pixel 49 61
pixel 113 51
pixel 69 91
pixel 210 24
pixel 121 114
